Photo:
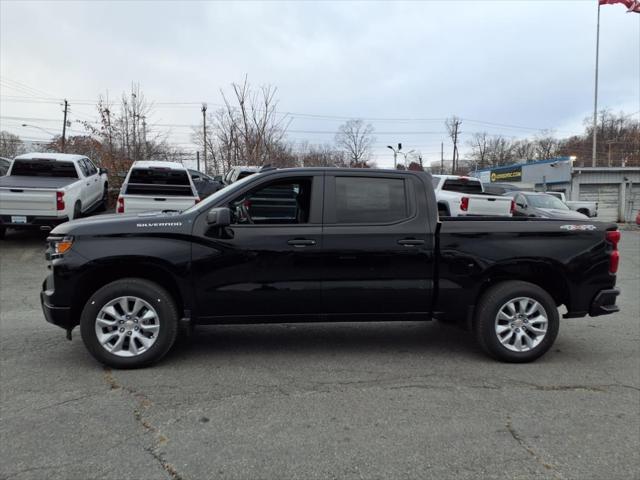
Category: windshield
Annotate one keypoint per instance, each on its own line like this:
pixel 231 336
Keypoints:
pixel 220 193
pixel 546 201
pixel 44 168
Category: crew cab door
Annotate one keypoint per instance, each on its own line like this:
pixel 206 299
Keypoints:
pixel 267 263
pixel 378 250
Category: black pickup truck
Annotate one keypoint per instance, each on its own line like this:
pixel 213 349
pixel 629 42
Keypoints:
pixel 359 245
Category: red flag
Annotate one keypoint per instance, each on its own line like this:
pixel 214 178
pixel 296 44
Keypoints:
pixel 632 5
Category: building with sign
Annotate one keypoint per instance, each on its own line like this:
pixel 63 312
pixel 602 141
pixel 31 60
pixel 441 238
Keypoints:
pixel 616 189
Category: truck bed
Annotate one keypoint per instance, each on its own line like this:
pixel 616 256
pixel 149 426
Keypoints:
pixel 18 181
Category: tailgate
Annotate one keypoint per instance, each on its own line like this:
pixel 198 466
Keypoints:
pixel 27 201
pixel 491 206
pixel 144 203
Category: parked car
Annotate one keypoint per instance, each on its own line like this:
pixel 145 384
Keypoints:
pixel 362 245
pixel 238 173
pixel 464 196
pixel 4 165
pixel 535 204
pixel 156 186
pixel 42 190
pixel 205 185
pixel 590 209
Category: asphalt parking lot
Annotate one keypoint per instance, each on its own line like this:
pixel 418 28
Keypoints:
pixel 383 400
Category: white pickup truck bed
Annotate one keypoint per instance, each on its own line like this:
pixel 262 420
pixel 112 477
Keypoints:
pixel 153 186
pixel 42 190
pixel 464 196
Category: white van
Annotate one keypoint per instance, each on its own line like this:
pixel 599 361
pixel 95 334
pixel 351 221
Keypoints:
pixel 153 186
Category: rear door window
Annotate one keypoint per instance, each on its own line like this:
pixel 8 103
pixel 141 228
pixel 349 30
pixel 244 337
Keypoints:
pixel 370 200
pixel 159 181
pixel 462 185
pixel 44 168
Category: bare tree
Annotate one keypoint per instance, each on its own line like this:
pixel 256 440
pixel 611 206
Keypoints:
pixel 546 145
pixel 499 151
pixel 356 139
pixel 479 144
pixel 248 130
pixel 320 156
pixel 10 145
pixel 524 149
pixel 453 127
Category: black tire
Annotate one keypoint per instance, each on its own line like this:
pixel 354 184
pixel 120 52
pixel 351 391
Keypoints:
pixel 584 212
pixel 490 305
pixel 77 211
pixel 3 231
pixel 104 203
pixel 148 291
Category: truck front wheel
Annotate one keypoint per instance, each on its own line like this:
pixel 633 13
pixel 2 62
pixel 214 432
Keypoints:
pixel 129 323
pixel 516 321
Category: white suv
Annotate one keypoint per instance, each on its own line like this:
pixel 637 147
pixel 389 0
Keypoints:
pixel 153 186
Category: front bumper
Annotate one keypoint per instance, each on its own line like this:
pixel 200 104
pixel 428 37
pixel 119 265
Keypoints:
pixel 60 316
pixel 604 303
pixel 32 222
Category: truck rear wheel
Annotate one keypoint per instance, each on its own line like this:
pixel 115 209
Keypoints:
pixel 516 322
pixel 129 323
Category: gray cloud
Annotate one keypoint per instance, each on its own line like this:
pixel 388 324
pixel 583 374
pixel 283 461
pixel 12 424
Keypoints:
pixel 525 63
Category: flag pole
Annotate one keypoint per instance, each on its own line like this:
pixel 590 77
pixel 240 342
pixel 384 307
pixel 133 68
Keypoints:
pixel 595 99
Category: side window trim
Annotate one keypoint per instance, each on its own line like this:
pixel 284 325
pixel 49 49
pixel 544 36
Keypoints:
pixel 329 205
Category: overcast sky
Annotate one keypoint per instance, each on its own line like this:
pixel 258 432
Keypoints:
pixel 514 63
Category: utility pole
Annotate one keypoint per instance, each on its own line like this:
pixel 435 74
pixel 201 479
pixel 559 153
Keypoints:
pixel 395 154
pixel 64 126
pixel 441 158
pixel 134 119
pixel 144 137
pixel 595 96
pixel 204 135
pixel 198 160
pixel 455 125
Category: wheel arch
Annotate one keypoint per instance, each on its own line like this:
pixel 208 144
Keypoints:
pixel 127 267
pixel 547 275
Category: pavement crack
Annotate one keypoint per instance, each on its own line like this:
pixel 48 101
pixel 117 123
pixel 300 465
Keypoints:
pixel 529 449
pixel 143 403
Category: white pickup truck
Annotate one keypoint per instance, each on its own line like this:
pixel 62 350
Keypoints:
pixel 157 186
pixel 590 209
pixel 464 196
pixel 42 190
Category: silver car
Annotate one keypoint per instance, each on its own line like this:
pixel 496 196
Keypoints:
pixel 534 204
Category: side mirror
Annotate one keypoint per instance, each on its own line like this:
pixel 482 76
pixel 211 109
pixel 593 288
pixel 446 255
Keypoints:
pixel 103 171
pixel 522 205
pixel 219 217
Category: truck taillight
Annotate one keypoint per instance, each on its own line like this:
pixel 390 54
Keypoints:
pixel 464 204
pixel 59 200
pixel 120 208
pixel 513 207
pixel 613 237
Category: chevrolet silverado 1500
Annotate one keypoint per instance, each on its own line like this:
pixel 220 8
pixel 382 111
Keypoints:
pixel 349 245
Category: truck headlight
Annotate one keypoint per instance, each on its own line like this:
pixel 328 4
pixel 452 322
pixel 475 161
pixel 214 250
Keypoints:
pixel 59 245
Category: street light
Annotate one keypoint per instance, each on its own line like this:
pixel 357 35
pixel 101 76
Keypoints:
pixel 39 128
pixel 395 154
